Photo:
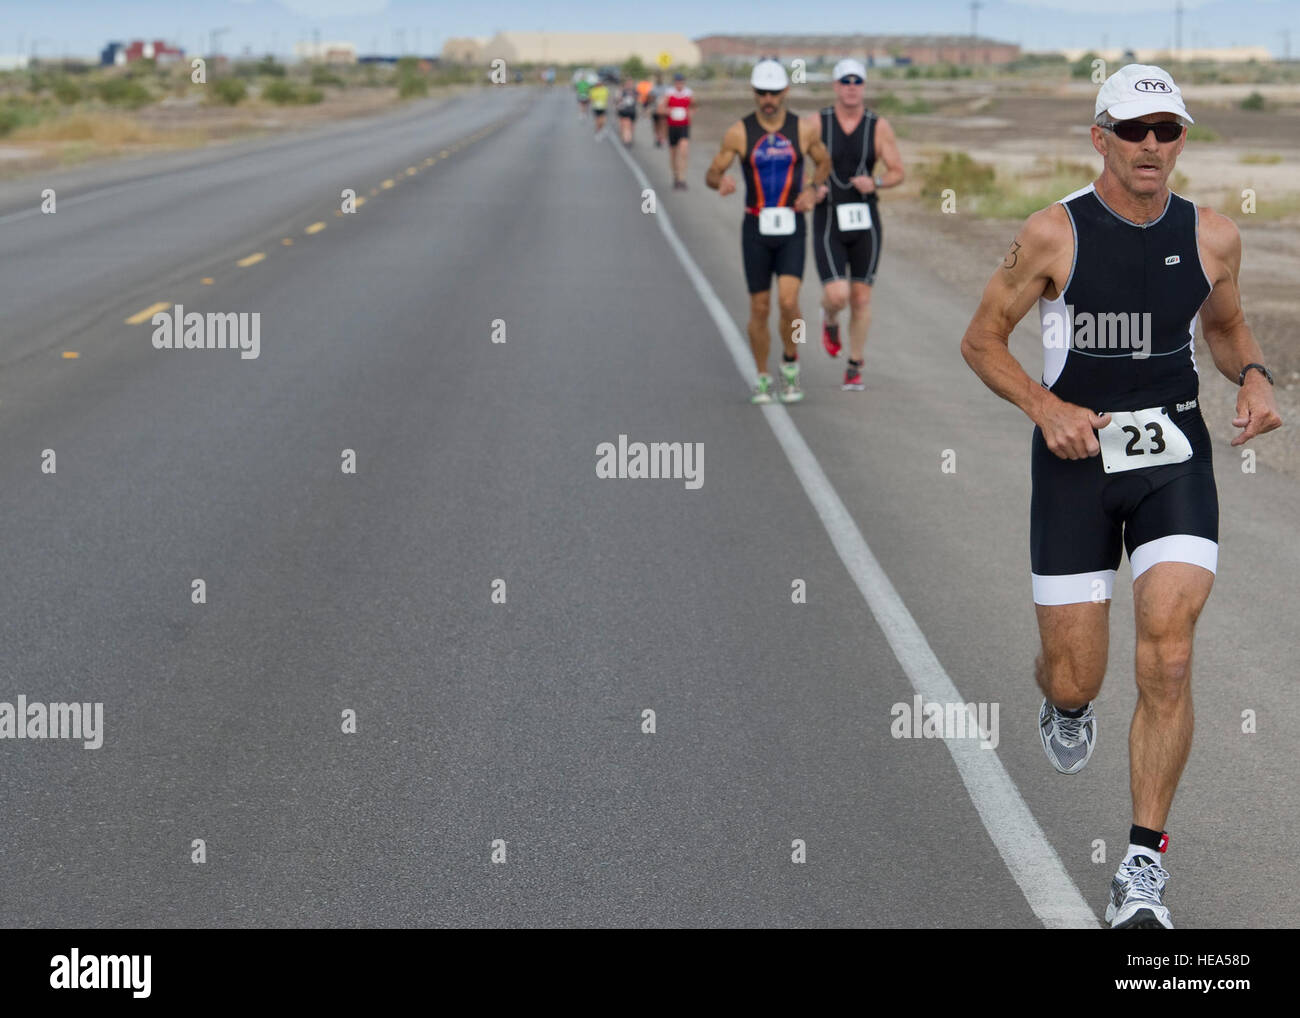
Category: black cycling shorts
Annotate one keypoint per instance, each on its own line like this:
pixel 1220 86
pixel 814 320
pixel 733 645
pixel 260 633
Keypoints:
pixel 854 255
pixel 676 134
pixel 768 256
pixel 1082 519
pixel 629 114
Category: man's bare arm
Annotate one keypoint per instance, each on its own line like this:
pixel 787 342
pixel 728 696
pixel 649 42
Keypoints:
pixel 1030 267
pixel 1025 272
pixel 733 146
pixel 887 150
pixel 1231 343
pixel 1230 340
pixel 810 141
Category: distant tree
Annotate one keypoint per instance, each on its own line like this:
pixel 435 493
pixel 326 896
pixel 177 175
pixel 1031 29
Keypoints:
pixel 1082 68
pixel 66 91
pixel 229 91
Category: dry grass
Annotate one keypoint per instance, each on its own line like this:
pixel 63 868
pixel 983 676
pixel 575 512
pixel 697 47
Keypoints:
pixel 102 130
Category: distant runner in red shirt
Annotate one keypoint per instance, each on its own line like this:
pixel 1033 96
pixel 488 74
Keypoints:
pixel 676 105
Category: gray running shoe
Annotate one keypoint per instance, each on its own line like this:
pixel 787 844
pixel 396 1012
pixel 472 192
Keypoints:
pixel 1068 742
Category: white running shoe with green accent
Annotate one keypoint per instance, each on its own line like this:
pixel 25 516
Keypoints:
pixel 763 390
pixel 790 391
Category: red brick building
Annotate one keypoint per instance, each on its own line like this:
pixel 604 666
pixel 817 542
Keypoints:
pixel 877 50
pixel 157 50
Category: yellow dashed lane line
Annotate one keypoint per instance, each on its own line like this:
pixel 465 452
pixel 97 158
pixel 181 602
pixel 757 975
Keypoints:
pixel 70 355
pixel 316 227
pixel 147 313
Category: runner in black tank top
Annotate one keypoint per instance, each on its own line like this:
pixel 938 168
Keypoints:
pixel 847 253
pixel 1122 271
pixel 846 235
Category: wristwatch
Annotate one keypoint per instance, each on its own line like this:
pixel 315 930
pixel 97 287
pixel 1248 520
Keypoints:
pixel 879 182
pixel 1241 378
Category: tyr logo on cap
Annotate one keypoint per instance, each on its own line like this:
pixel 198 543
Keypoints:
pixel 1152 85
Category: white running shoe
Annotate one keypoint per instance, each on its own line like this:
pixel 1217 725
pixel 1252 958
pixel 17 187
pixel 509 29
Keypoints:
pixel 1137 896
pixel 790 391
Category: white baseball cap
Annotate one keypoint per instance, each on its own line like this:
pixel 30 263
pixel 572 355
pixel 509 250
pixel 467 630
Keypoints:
pixel 1137 90
pixel 849 66
pixel 769 75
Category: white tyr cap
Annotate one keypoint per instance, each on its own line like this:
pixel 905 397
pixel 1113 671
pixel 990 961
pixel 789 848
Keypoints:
pixel 1136 90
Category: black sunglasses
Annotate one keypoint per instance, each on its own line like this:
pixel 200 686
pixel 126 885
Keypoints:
pixel 851 79
pixel 1136 130
pixel 768 91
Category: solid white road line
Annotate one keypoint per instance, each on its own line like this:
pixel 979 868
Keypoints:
pixel 1028 854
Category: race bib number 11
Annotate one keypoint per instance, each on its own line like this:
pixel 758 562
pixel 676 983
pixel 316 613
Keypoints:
pixel 1142 438
pixel 853 216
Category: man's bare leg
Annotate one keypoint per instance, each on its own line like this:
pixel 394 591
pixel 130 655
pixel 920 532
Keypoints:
pixel 760 338
pixel 859 321
pixel 1167 600
pixel 787 288
pixel 1075 644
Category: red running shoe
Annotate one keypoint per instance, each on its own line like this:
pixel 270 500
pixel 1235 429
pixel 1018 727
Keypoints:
pixel 830 337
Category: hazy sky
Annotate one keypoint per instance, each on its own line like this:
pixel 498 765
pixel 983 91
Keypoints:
pixel 83 26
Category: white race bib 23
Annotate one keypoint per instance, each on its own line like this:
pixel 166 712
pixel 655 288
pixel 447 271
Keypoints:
pixel 1142 438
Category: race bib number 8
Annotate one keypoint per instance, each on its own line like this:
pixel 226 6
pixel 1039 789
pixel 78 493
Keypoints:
pixel 1142 438
pixel 776 222
pixel 853 216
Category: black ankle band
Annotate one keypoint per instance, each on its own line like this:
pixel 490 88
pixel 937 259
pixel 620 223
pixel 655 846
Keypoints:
pixel 1146 837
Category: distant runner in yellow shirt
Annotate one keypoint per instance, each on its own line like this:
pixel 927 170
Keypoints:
pixel 599 102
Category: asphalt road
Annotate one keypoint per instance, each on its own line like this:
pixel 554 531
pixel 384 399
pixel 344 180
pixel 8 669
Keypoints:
pixel 475 462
